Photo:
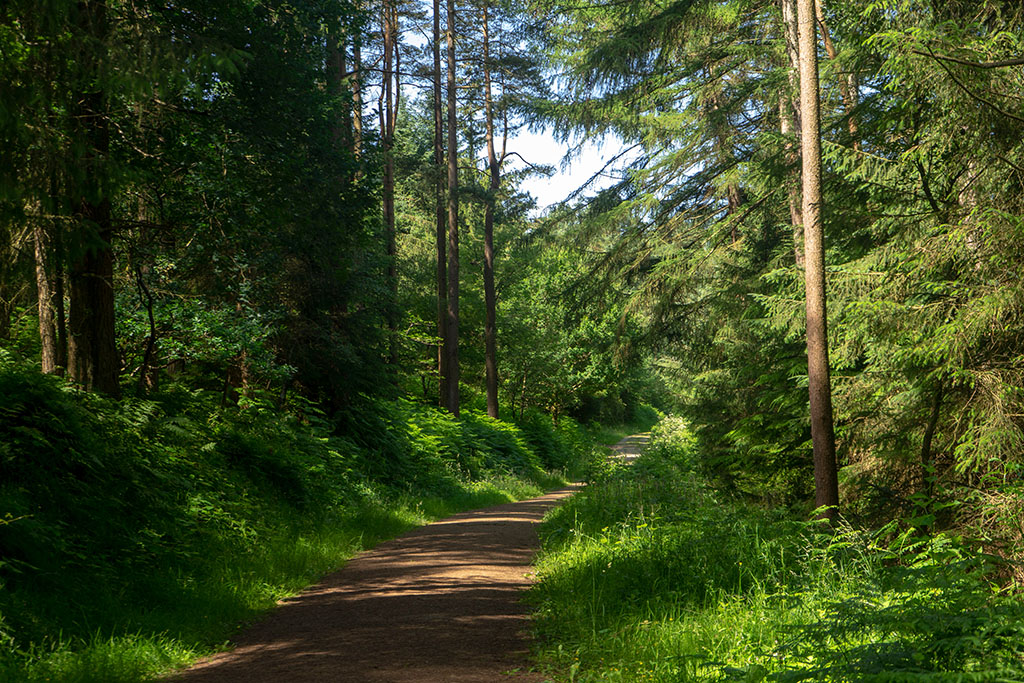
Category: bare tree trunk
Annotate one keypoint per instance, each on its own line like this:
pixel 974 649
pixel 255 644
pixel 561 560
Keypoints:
pixel 388 115
pixel 147 373
pixel 490 326
pixel 46 287
pixel 826 486
pixel 342 129
pixel 789 115
pixel 929 435
pixel 440 218
pixel 92 351
pixel 357 94
pixel 452 336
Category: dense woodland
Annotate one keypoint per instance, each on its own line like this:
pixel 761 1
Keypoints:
pixel 282 247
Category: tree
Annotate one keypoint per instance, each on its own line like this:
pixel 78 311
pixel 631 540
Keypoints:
pixel 441 225
pixel 494 174
pixel 826 486
pixel 451 339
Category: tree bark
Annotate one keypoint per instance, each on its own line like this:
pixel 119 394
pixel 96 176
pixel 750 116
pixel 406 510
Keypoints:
pixel 826 485
pixel 357 94
pixel 926 441
pixel 388 115
pixel 440 218
pixel 452 336
pixel 789 116
pixel 342 130
pixel 490 326
pixel 92 351
pixel 47 288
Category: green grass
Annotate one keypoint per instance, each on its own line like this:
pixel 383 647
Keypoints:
pixel 650 575
pixel 139 535
pixel 187 618
pixel 643 418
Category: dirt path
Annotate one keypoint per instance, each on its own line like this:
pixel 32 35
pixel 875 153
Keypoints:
pixel 629 448
pixel 437 605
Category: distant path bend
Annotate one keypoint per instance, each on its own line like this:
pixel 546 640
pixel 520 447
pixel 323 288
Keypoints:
pixel 629 448
pixel 437 605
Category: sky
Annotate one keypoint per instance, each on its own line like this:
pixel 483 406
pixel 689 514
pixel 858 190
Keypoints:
pixel 541 148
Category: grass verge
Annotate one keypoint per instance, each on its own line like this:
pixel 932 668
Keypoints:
pixel 651 575
pixel 138 535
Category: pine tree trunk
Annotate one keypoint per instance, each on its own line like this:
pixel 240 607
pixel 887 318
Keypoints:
pixel 342 130
pixel 440 218
pixel 388 114
pixel 490 326
pixel 92 351
pixel 789 115
pixel 826 487
pixel 357 94
pixel 452 336
pixel 46 288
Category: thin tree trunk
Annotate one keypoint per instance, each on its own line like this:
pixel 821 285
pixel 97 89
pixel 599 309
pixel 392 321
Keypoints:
pixel 388 114
pixel 826 485
pixel 440 219
pixel 342 130
pixel 929 435
pixel 357 94
pixel 46 290
pixel 490 326
pixel 147 374
pixel 452 336
pixel 789 115
pixel 92 351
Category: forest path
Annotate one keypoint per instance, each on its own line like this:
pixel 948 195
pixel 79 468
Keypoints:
pixel 629 448
pixel 440 604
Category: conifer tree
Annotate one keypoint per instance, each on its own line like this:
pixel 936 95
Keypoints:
pixel 826 486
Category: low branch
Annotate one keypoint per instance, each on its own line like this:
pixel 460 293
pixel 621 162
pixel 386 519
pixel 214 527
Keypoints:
pixel 967 62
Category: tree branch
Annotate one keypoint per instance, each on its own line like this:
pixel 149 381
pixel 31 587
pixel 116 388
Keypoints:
pixel 967 62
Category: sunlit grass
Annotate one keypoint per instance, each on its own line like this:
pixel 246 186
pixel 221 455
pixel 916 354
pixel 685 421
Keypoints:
pixel 190 617
pixel 650 575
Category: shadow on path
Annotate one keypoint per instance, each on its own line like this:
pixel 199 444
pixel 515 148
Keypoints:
pixel 439 604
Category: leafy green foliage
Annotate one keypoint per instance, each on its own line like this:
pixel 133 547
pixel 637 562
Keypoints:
pixel 652 575
pixel 143 531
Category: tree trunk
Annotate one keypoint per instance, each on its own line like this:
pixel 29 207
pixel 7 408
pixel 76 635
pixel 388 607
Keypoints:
pixel 357 94
pixel 452 336
pixel 92 351
pixel 927 473
pixel 46 288
pixel 388 115
pixel 826 486
pixel 440 218
pixel 490 326
pixel 789 116
pixel 342 130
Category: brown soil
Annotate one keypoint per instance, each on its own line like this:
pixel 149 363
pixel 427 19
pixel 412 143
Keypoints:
pixel 437 605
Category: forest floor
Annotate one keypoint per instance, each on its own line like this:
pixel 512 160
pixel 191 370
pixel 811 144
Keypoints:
pixel 440 604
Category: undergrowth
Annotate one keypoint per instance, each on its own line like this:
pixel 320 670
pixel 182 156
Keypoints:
pixel 651 575
pixel 138 535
